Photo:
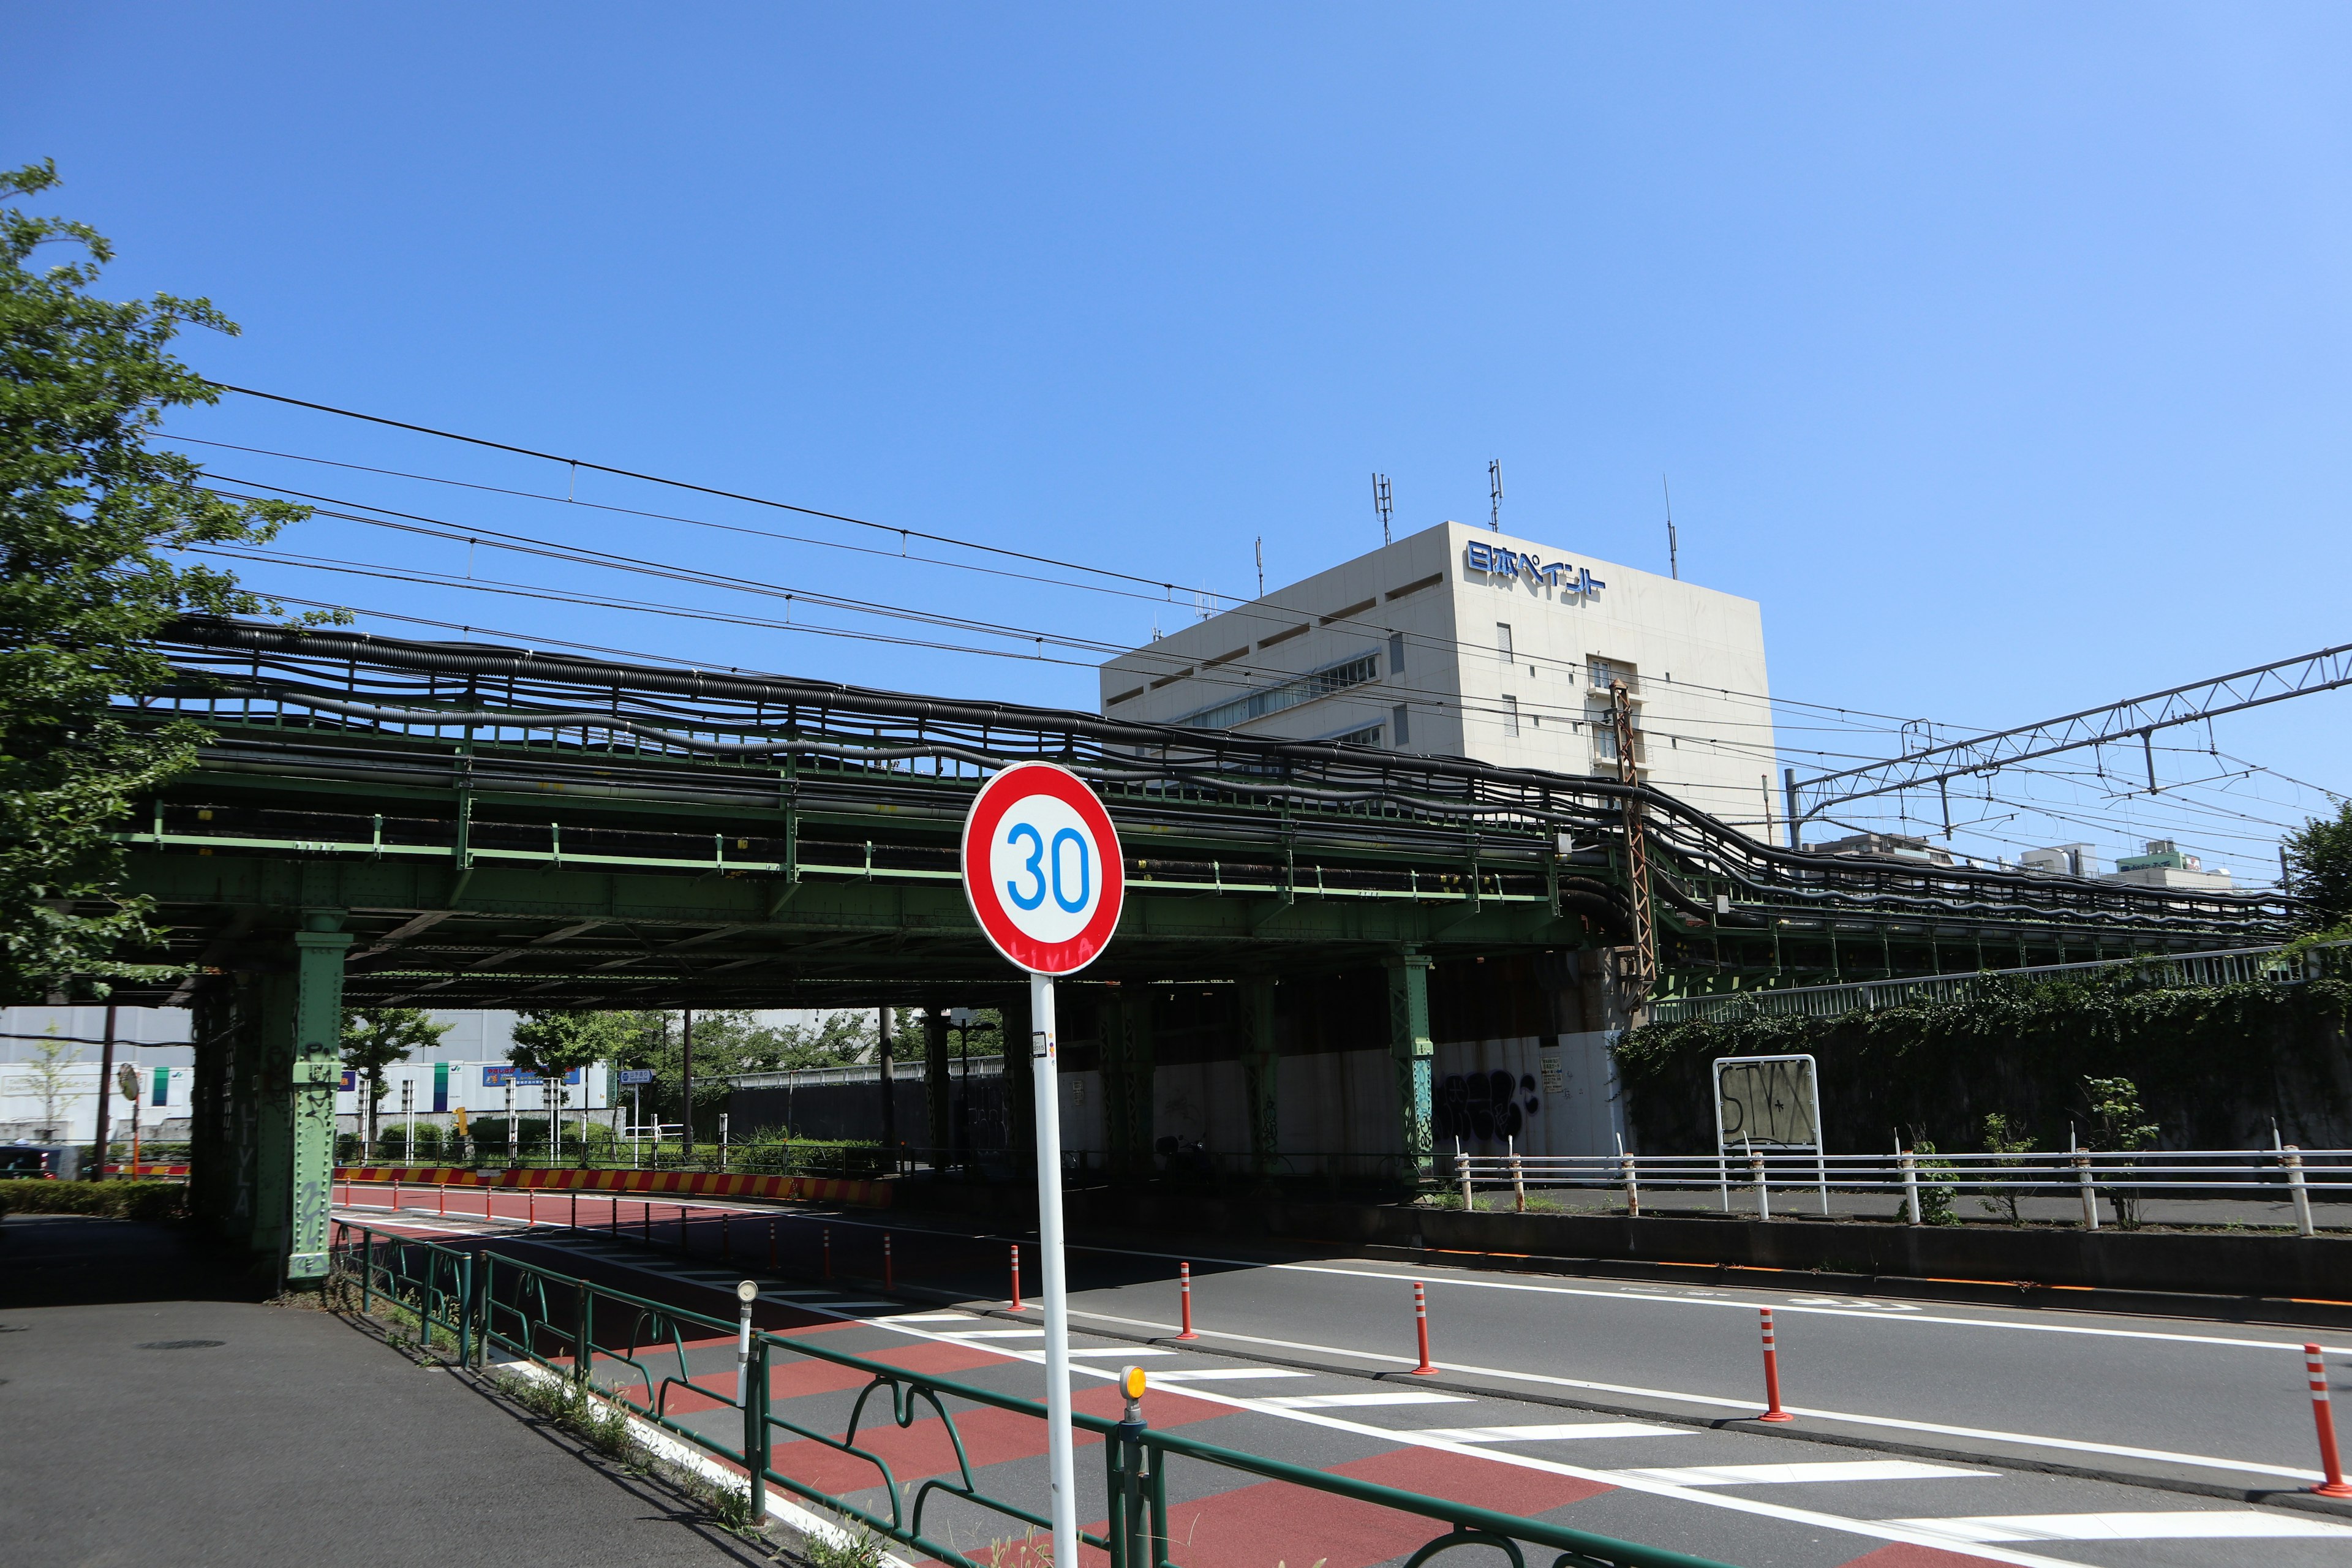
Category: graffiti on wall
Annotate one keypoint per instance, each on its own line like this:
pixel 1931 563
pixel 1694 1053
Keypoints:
pixel 1484 1106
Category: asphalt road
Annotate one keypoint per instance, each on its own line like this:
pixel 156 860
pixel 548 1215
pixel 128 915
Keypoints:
pixel 1946 1412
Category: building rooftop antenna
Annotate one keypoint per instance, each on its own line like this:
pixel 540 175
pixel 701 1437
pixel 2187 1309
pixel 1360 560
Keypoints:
pixel 1674 545
pixel 1261 566
pixel 1380 503
pixel 1495 486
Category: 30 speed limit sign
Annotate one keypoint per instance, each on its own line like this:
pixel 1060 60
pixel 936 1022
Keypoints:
pixel 1042 868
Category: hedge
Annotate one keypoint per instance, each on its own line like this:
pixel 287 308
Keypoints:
pixel 109 1200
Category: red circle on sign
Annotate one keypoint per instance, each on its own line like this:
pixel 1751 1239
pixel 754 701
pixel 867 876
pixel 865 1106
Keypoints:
pixel 996 802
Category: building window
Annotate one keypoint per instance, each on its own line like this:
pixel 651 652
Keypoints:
pixel 1503 640
pixel 1396 655
pixel 1398 727
pixel 1510 715
pixel 1370 735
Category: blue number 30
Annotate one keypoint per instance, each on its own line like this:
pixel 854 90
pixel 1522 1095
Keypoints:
pixel 1035 866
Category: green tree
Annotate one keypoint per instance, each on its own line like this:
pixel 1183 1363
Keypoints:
pixel 728 1042
pixel 375 1038
pixel 2002 1138
pixel 50 1079
pixel 92 518
pixel 2116 1112
pixel 2319 869
pixel 550 1043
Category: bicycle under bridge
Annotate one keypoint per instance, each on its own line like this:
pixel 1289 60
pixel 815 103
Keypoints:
pixel 377 820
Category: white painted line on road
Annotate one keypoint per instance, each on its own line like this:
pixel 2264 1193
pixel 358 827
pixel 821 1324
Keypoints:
pixel 2210 1524
pixel 989 1333
pixel 1121 1353
pixel 1357 1401
pixel 1878 1530
pixel 1553 1434
pixel 1223 1374
pixel 936 1318
pixel 1714 1402
pixel 1782 1475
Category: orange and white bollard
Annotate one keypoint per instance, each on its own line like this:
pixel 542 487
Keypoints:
pixel 1772 1374
pixel 887 1281
pixel 2325 1418
pixel 771 1246
pixel 1016 1277
pixel 396 1190
pixel 442 1194
pixel 726 1240
pixel 531 1204
pixel 1184 1296
pixel 828 1252
pixel 1420 1325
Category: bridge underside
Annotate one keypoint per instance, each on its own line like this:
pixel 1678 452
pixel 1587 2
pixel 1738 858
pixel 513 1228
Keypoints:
pixel 452 826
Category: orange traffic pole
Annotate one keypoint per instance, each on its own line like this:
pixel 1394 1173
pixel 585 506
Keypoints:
pixel 2325 1418
pixel 1421 1326
pixel 1184 1292
pixel 1772 1374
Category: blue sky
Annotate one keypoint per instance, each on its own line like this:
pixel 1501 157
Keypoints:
pixel 2000 351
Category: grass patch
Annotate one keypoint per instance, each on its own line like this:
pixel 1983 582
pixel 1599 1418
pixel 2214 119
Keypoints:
pixel 568 1404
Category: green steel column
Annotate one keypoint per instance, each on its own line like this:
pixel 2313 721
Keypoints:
pixel 302 1063
pixel 936 1108
pixel 1259 1069
pixel 264 1073
pixel 1020 1098
pixel 1128 1069
pixel 1410 1049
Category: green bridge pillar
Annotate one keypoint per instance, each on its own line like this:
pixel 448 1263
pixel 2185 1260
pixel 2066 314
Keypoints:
pixel 1259 1067
pixel 1129 1070
pixel 268 1056
pixel 1411 1051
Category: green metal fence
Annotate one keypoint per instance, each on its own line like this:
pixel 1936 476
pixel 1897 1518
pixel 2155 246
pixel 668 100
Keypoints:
pixel 633 1353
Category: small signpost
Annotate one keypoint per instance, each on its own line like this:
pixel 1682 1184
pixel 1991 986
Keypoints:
pixel 1768 1103
pixel 1043 870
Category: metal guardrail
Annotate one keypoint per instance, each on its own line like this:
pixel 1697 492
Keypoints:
pixel 633 1353
pixel 2226 966
pixel 2283 1174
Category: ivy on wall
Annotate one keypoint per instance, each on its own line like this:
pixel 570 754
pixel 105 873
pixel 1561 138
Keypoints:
pixel 2214 1064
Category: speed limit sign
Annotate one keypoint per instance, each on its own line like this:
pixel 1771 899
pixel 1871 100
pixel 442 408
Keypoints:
pixel 1042 868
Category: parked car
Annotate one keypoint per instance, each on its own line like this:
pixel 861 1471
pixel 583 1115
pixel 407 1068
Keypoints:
pixel 22 1163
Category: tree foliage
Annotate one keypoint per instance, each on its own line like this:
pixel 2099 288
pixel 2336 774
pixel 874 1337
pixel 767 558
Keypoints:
pixel 375 1038
pixel 93 521
pixel 2319 869
pixel 730 1042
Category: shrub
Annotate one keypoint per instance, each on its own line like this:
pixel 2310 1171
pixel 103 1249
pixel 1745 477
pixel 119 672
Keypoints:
pixel 108 1200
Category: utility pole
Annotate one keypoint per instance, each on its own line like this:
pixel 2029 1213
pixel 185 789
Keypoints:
pixel 685 1076
pixel 1494 494
pixel 1674 545
pixel 1381 504
pixel 105 1090
pixel 1637 849
pixel 889 1087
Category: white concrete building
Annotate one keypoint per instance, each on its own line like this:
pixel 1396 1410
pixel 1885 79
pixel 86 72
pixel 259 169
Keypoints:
pixel 1463 642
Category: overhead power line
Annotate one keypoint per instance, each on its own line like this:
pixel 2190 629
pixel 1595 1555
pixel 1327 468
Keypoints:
pixel 2135 719
pixel 577 463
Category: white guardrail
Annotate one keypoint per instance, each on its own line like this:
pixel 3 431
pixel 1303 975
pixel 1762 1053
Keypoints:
pixel 2283 1174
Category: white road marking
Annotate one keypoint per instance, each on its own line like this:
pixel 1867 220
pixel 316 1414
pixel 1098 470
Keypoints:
pixel 1355 1401
pixel 936 1318
pixel 2204 1524
pixel 1876 1529
pixel 1745 1300
pixel 991 1334
pixel 1553 1434
pixel 1124 1353
pixel 2025 1439
pixel 1222 1374
pixel 1779 1475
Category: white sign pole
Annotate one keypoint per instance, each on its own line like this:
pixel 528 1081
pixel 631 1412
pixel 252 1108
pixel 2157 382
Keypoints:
pixel 1043 871
pixel 1045 1079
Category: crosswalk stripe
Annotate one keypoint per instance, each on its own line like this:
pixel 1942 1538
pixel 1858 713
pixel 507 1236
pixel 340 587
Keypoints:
pixel 2204 1524
pixel 1000 1333
pixel 1223 1374
pixel 1123 1351
pixel 1353 1401
pixel 1819 1470
pixel 1552 1434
